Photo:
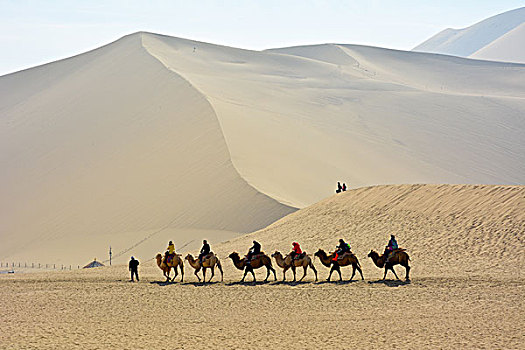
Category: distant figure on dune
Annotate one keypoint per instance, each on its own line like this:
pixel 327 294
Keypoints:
pixel 134 268
pixel 339 187
pixel 344 187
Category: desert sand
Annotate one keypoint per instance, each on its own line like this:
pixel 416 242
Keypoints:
pixel 497 38
pixel 467 288
pixel 152 138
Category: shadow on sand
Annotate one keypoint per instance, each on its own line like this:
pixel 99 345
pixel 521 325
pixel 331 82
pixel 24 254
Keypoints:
pixel 249 283
pixel 343 282
pixel 391 283
pixel 201 284
pixel 292 283
pixel 165 283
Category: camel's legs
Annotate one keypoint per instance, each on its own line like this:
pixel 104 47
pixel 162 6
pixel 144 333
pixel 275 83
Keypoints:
pixel 293 270
pixel 176 273
pixel 361 272
pixel 304 274
pixel 395 274
pixel 212 273
pixel 353 271
pixel 267 273
pixel 182 272
pixel 315 271
pixel 220 269
pixel 203 275
pixel 284 272
pixel 274 275
pixel 407 277
pixel 196 271
pixel 331 271
pixel 253 274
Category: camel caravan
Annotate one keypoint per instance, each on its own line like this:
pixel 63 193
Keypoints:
pixel 255 259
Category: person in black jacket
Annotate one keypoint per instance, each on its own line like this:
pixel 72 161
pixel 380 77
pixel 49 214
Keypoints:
pixel 254 250
pixel 205 250
pixel 134 268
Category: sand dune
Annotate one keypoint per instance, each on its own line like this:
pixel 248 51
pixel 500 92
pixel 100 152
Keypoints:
pixel 153 138
pixel 467 41
pixel 110 148
pixel 317 114
pixel 506 48
pixel 448 229
pixel 467 289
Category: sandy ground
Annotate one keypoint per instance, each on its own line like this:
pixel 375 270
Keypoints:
pixel 101 309
pixel 468 292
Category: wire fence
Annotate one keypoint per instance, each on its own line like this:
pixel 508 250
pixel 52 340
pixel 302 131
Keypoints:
pixel 32 265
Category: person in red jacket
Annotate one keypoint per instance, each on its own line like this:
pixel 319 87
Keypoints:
pixel 296 250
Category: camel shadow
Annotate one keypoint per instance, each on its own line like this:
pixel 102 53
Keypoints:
pixel 201 284
pixel 391 283
pixel 249 283
pixel 165 283
pixel 343 282
pixel 292 283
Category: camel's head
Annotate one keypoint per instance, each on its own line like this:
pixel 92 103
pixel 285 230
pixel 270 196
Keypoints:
pixel 372 254
pixel 188 257
pixel 234 256
pixel 276 254
pixel 159 256
pixel 320 253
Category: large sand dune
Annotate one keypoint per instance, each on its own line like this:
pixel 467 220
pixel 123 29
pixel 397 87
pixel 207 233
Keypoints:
pixel 109 148
pixel 153 138
pixel 467 289
pixel 472 41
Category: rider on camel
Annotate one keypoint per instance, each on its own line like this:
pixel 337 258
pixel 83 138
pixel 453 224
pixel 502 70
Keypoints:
pixel 170 251
pixel 391 247
pixel 342 248
pixel 254 250
pixel 205 250
pixel 296 250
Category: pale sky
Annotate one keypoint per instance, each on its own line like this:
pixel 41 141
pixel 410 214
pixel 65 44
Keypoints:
pixel 37 32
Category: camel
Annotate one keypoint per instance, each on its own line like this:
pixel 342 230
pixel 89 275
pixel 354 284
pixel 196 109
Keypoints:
pixel 208 262
pixel 286 263
pixel 260 260
pixel 348 259
pixel 400 258
pixel 166 268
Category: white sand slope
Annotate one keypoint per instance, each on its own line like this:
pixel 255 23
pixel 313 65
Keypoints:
pixel 154 138
pixel 298 119
pixel 509 47
pixel 448 230
pixel 108 148
pixel 465 42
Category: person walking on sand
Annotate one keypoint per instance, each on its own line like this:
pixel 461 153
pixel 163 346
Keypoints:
pixel 339 188
pixel 344 187
pixel 134 268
